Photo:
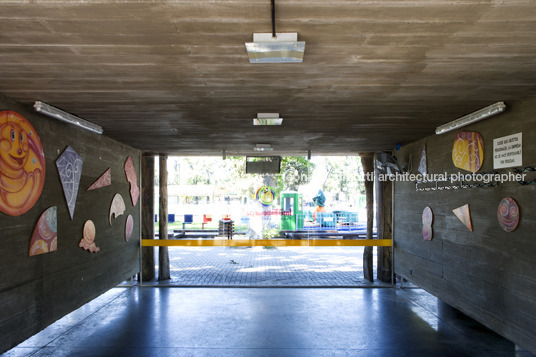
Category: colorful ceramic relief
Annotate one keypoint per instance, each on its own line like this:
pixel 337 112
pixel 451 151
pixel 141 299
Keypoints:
pixel 22 164
pixel 464 215
pixel 104 180
pixel 265 195
pixel 508 214
pixel 117 207
pixel 45 234
pixel 88 242
pixel 132 179
pixel 422 164
pixel 129 227
pixel 427 219
pixel 69 166
pixel 468 151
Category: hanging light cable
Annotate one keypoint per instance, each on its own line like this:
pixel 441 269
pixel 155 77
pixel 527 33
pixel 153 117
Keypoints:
pixel 273 19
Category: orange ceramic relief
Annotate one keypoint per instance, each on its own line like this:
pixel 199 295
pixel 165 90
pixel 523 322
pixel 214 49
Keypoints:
pixel 464 215
pixel 468 151
pixel 22 164
pixel 88 241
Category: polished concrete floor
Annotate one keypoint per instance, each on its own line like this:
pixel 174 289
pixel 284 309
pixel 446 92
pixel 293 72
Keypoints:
pixel 151 321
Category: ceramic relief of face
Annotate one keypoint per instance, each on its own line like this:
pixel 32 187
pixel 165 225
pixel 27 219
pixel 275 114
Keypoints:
pixel 22 164
pixel 508 214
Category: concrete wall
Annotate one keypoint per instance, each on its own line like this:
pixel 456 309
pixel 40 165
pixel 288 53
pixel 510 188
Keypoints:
pixel 489 274
pixel 35 291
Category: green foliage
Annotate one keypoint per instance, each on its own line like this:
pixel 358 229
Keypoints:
pixel 271 233
pixel 202 171
pixel 295 171
pixel 339 177
pixel 344 175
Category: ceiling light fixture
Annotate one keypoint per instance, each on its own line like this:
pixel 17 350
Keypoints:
pixel 484 113
pixel 275 47
pixel 66 117
pixel 263 147
pixel 284 48
pixel 267 119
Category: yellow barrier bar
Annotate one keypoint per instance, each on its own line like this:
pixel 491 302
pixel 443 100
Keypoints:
pixel 266 242
pixel 350 242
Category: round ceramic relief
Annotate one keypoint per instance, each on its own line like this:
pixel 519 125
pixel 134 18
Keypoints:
pixel 88 242
pixel 22 164
pixel 508 214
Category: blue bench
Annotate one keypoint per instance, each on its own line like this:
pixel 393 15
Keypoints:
pixel 188 219
pixel 171 218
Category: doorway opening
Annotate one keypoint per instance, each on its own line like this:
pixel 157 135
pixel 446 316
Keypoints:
pixel 301 223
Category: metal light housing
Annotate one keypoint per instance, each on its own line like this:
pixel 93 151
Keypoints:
pixel 267 119
pixel 66 117
pixel 263 147
pixel 483 113
pixel 283 48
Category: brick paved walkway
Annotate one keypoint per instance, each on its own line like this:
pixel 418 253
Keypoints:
pixel 258 266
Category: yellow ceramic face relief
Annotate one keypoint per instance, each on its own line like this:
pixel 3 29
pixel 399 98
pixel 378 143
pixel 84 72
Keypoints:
pixel 22 164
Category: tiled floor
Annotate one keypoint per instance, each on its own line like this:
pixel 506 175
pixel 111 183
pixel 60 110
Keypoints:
pixel 258 266
pixel 156 321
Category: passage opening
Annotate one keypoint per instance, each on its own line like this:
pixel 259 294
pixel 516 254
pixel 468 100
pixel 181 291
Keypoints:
pixel 304 226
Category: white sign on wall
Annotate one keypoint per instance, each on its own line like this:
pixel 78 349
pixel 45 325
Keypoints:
pixel 507 151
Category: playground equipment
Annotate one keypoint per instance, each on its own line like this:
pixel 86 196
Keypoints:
pixel 291 209
pixel 294 218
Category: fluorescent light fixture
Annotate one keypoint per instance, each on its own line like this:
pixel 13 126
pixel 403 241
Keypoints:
pixel 66 117
pixel 263 147
pixel 283 48
pixel 471 118
pixel 267 119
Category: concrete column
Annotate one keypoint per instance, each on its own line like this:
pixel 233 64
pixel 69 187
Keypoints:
pixel 367 161
pixel 163 256
pixel 147 215
pixel 384 224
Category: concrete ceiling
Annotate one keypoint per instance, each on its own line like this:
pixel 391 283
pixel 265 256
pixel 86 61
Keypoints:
pixel 174 76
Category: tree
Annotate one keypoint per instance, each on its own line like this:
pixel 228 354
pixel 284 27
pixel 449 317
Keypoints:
pixel 295 171
pixel 344 176
pixel 201 170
